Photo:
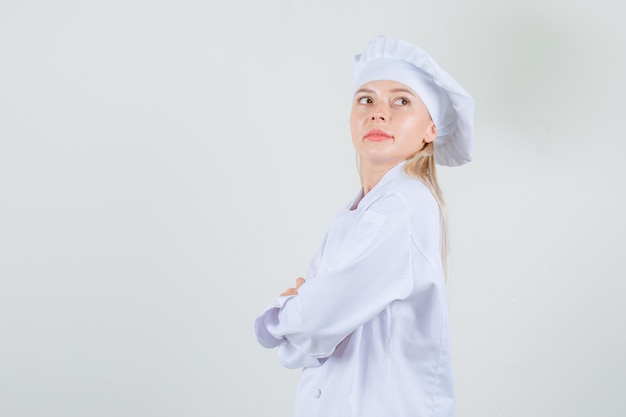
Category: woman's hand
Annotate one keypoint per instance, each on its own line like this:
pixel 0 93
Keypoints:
pixel 294 291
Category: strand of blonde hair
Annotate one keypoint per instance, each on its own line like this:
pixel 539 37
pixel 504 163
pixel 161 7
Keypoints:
pixel 422 166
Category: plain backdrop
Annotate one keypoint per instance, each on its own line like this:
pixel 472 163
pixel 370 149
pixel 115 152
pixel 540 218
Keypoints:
pixel 168 167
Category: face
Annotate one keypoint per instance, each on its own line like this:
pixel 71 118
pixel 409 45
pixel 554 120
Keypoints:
pixel 389 123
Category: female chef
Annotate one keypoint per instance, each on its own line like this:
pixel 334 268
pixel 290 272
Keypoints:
pixel 369 325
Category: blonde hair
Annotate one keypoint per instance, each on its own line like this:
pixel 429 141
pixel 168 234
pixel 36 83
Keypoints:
pixel 422 166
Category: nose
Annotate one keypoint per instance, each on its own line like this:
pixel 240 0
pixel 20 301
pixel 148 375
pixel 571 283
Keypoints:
pixel 379 116
pixel 380 113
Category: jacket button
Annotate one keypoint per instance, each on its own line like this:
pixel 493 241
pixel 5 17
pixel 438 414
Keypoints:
pixel 317 393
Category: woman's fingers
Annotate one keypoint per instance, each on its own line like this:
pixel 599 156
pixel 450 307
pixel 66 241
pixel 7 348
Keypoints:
pixel 294 291
pixel 289 291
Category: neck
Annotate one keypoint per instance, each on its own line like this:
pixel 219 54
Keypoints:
pixel 372 173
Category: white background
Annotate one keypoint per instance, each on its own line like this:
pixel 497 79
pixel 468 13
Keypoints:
pixel 168 167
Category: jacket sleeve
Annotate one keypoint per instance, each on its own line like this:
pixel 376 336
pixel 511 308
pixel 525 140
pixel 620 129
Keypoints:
pixel 371 270
pixel 289 355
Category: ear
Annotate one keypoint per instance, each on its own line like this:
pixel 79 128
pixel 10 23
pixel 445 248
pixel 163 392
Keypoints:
pixel 431 133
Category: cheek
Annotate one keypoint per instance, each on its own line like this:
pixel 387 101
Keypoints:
pixel 355 132
pixel 353 116
pixel 354 138
pixel 354 123
pixel 415 128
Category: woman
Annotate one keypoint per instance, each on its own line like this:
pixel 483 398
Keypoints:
pixel 369 326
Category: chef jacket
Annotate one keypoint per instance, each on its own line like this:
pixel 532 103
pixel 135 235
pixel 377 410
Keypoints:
pixel 369 326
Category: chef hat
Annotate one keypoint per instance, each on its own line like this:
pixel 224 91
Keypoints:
pixel 449 105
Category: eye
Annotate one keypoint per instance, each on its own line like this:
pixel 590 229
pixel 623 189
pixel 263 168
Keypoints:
pixel 364 100
pixel 401 101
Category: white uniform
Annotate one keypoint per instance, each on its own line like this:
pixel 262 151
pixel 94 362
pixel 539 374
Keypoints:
pixel 370 325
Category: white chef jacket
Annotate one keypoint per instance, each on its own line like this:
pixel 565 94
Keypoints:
pixel 369 327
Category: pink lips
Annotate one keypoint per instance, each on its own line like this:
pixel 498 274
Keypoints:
pixel 376 135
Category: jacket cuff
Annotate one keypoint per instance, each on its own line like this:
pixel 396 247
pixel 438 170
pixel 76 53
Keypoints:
pixel 268 318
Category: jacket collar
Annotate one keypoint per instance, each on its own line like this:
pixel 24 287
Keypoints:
pixel 361 201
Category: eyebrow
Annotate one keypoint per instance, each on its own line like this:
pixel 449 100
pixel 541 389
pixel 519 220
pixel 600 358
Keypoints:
pixel 402 90
pixel 393 90
pixel 364 90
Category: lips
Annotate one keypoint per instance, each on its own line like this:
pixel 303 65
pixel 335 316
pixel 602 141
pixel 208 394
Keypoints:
pixel 377 135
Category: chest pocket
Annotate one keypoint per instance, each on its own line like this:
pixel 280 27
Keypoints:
pixel 359 235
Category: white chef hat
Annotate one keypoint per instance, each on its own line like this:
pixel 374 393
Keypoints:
pixel 449 105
